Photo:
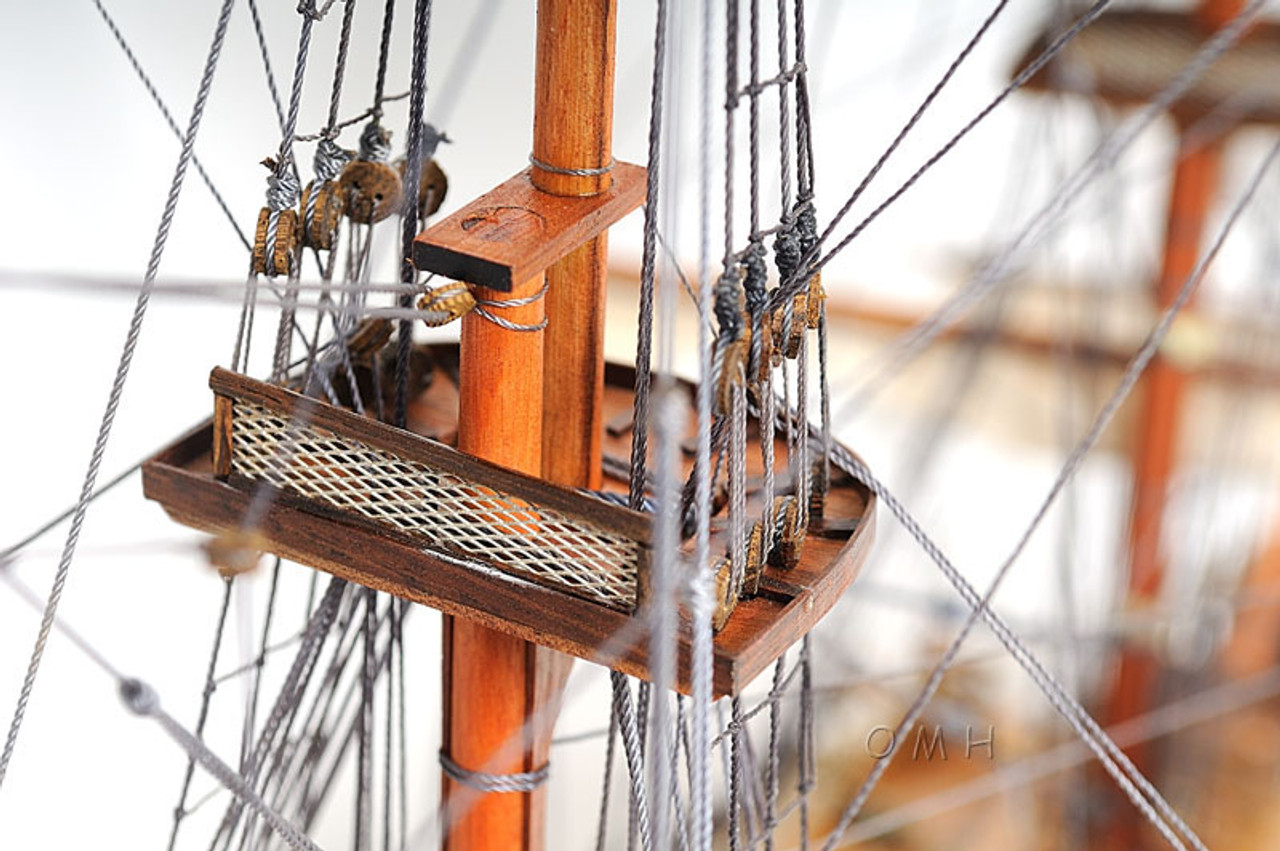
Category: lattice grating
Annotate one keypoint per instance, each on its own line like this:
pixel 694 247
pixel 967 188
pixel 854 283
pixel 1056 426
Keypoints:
pixel 540 543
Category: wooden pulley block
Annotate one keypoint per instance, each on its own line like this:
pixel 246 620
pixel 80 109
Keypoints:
pixel 368 339
pixel 726 600
pixel 433 186
pixel 370 190
pixel 787 341
pixel 765 366
pixel 817 494
pixel 286 241
pixel 235 552
pixel 817 295
pixel 755 560
pixel 733 370
pixel 320 229
pixel 452 301
pixel 790 541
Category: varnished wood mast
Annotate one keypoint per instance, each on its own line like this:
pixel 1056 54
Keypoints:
pixel 498 689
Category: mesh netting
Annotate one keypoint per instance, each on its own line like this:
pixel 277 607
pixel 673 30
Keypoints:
pixel 514 535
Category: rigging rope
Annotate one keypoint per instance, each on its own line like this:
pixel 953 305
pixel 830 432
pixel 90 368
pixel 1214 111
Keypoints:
pixel 701 601
pixel 141 699
pixel 117 387
pixel 788 288
pixel 210 685
pixel 1050 214
pixel 412 176
pixel 145 79
pixel 1157 811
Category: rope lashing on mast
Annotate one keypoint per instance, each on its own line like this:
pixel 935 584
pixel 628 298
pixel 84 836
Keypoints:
pixel 484 781
pixel 573 172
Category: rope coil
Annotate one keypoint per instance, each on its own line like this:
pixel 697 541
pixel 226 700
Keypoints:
pixel 483 781
pixel 573 172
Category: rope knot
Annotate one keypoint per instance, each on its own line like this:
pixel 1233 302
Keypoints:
pixel 330 159
pixel 728 308
pixel 430 140
pixel 756 278
pixel 375 142
pixel 308 8
pixel 282 189
pixel 787 251
pixel 807 225
pixel 140 698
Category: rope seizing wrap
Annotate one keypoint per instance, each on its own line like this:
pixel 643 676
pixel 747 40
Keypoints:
pixel 483 781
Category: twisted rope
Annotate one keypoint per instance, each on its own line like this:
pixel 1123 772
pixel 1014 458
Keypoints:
pixel 484 781
pixel 117 388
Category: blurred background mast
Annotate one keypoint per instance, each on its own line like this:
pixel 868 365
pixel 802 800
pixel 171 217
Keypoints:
pixel 1195 185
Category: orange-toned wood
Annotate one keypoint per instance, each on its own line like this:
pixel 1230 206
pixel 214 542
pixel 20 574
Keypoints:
pixel 551 225
pixel 490 677
pixel 1156 441
pixel 573 130
pixel 1215 14
pixel 573 94
pixel 1195 185
pixel 1255 640
pixel 516 231
pixel 574 367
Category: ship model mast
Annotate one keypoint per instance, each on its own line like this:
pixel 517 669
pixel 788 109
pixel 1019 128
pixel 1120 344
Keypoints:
pixel 510 535
pixel 532 401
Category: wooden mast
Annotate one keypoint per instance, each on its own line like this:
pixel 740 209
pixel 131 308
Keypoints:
pixel 1194 187
pixel 501 693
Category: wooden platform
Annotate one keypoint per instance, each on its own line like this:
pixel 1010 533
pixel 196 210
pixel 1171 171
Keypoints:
pixel 1127 57
pixel 790 603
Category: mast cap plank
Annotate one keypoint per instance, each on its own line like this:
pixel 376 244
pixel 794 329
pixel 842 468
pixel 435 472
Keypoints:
pixel 514 232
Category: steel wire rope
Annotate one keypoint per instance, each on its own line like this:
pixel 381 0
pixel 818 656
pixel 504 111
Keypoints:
pixel 1051 213
pixel 1081 449
pixel 117 387
pixel 811 262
